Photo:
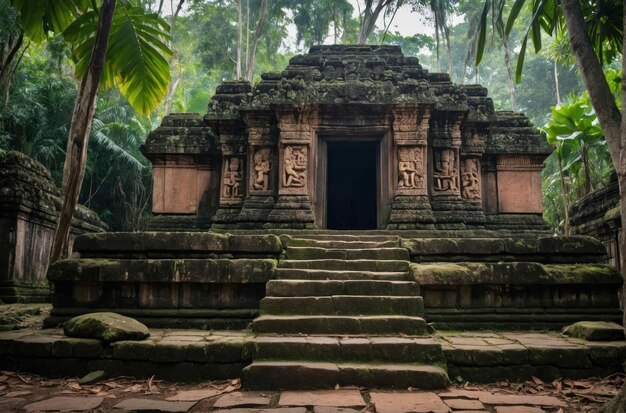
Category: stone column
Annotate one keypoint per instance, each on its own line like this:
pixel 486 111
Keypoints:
pixel 233 177
pixel 295 176
pixel 446 201
pixel 410 208
pixel 262 170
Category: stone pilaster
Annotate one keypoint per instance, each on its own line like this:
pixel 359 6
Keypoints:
pixel 233 177
pixel 471 175
pixel 295 176
pixel 262 170
pixel 410 208
pixel 446 201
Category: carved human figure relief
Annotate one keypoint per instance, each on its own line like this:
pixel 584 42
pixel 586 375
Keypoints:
pixel 445 171
pixel 232 179
pixel 470 181
pixel 294 166
pixel 410 166
pixel 262 167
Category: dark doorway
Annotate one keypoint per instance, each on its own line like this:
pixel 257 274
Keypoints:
pixel 351 185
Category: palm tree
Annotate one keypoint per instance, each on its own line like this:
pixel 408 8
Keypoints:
pixel 114 42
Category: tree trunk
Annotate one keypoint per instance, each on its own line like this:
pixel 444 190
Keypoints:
pixel 369 18
pixel 564 195
pixel 613 124
pixel 556 84
pixel 239 30
pixel 11 47
pixel 507 63
pixel 255 42
pixel 78 139
pixel 169 98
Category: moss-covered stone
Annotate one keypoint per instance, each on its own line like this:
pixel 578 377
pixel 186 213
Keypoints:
pixel 595 331
pixel 108 327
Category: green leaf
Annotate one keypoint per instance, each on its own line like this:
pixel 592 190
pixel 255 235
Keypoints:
pixel 515 11
pixel 137 58
pixel 40 18
pixel 482 34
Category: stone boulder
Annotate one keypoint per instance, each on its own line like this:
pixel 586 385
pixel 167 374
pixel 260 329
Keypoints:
pixel 595 331
pixel 108 327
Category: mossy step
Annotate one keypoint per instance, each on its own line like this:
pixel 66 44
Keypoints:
pixel 306 288
pixel 347 236
pixel 346 275
pixel 339 244
pixel 347 265
pixel 309 253
pixel 286 375
pixel 425 350
pixel 344 305
pixel 327 324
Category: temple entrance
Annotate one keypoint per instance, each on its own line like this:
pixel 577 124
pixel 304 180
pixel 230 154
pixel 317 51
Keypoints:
pixel 351 185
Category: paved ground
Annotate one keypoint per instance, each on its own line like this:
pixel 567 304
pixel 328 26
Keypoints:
pixel 24 392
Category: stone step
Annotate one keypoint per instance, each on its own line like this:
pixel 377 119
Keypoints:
pixel 339 244
pixel 312 253
pixel 426 350
pixel 345 265
pixel 327 324
pixel 318 274
pixel 347 236
pixel 287 375
pixel 306 288
pixel 343 305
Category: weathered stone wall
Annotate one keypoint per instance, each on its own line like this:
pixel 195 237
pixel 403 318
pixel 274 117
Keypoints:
pixel 29 210
pixel 514 283
pixel 184 279
pixel 597 215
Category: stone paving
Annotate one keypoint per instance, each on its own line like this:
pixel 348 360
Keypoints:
pixel 124 396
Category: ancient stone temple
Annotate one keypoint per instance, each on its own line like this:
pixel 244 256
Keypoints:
pixel 348 137
pixel 335 214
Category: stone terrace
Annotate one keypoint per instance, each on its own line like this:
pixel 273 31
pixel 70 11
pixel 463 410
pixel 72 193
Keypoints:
pixel 195 355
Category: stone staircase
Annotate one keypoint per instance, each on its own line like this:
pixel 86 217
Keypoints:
pixel 343 310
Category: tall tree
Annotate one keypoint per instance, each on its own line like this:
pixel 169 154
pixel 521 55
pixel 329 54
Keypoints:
pixel 113 44
pixel 260 25
pixel 369 14
pixel 11 39
pixel 595 30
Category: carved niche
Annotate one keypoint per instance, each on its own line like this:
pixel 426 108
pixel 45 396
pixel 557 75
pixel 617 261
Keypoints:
pixel 232 178
pixel 262 165
pixel 470 179
pixel 294 169
pixel 445 173
pixel 410 168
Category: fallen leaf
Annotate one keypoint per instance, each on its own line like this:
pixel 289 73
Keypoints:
pixel 135 388
pixel 74 385
pixel 537 380
pixel 18 393
pixel 96 390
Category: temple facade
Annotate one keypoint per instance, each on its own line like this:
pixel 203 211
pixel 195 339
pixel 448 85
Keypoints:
pixel 353 138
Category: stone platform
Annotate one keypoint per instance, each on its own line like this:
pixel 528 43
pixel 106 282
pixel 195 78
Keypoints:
pixel 195 355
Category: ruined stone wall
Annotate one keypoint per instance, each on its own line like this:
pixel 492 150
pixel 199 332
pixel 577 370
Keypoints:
pixel 29 210
pixel 597 215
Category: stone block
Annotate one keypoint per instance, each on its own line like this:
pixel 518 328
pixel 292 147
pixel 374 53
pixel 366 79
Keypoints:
pixel 290 375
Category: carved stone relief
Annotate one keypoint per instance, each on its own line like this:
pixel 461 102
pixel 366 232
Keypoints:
pixel 262 166
pixel 410 168
pixel 295 164
pixel 445 170
pixel 232 179
pixel 470 179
